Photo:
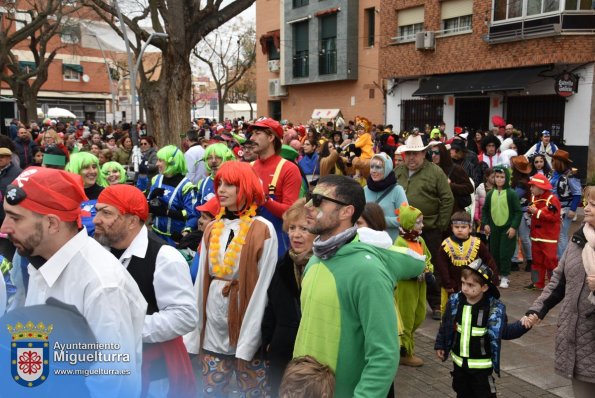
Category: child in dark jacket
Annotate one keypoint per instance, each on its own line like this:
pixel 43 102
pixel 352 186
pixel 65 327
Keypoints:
pixel 501 216
pixel 471 331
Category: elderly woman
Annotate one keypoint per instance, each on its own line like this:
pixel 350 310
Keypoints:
pixel 172 197
pixel 86 165
pixel 282 315
pixel 114 173
pixel 236 265
pixel 382 188
pixel 573 284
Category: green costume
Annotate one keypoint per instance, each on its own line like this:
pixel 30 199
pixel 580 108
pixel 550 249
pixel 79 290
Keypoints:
pixel 348 317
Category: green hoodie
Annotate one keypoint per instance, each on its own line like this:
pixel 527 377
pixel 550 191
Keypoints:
pixel 502 209
pixel 348 315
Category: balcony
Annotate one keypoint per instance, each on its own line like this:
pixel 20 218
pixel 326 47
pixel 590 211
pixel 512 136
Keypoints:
pixel 300 64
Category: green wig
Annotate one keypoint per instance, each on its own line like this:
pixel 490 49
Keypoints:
pixel 109 166
pixel 219 150
pixel 81 160
pixel 174 159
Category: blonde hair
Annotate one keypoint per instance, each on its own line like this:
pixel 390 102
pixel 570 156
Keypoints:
pixel 305 377
pixel 297 210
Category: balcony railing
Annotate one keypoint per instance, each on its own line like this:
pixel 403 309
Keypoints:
pixel 300 64
pixel 327 62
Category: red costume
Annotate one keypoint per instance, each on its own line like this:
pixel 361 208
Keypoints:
pixel 545 229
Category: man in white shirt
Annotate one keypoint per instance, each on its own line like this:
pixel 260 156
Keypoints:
pixel 43 220
pixel 194 158
pixel 163 277
pixel 543 147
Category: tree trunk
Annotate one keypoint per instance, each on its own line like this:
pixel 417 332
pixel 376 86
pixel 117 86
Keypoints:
pixel 167 100
pixel 221 103
pixel 26 101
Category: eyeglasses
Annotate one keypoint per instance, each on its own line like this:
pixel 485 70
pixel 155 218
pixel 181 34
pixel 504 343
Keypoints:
pixel 437 153
pixel 317 199
pixel 144 143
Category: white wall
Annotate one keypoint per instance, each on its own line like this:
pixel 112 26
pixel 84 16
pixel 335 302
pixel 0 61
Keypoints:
pixel 578 108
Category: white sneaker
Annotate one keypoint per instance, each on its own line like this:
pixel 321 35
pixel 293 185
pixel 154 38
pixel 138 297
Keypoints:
pixel 504 282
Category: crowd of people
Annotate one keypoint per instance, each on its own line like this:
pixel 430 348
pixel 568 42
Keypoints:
pixel 271 259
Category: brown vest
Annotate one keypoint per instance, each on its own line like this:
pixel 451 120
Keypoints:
pixel 239 290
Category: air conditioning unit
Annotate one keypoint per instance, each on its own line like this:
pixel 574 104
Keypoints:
pixel 274 65
pixel 276 89
pixel 425 41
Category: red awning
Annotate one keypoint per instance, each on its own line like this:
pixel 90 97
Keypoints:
pixel 273 34
pixel 327 12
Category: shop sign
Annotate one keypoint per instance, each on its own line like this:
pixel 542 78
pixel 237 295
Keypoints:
pixel 566 84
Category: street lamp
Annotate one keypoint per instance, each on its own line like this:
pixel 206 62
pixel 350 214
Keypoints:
pixel 109 76
pixel 136 155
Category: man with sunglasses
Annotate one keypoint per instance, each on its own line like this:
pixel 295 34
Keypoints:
pixel 348 318
pixel 281 179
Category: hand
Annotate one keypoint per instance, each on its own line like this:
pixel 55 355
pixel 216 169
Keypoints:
pixel 157 211
pixel 440 354
pixel 532 209
pixel 570 214
pixel 486 229
pixel 156 193
pixel 511 233
pixel 591 282
pixel 528 321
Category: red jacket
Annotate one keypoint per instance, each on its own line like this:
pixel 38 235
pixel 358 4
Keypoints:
pixel 545 222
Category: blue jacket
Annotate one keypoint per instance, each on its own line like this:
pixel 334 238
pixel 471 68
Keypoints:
pixel 498 328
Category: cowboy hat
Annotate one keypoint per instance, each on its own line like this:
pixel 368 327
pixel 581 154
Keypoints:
pixel 521 163
pixel 414 143
pixel 562 155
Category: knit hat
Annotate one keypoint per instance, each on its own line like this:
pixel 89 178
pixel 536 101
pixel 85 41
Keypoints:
pixel 485 272
pixel 48 191
pixel 127 199
pixel 407 215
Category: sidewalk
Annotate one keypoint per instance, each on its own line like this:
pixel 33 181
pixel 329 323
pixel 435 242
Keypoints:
pixel 527 364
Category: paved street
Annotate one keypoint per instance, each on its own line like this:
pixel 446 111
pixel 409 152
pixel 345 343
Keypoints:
pixel 527 366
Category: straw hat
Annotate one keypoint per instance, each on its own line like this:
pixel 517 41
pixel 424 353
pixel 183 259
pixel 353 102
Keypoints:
pixel 414 143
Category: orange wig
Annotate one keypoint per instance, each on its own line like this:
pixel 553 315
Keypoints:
pixel 243 176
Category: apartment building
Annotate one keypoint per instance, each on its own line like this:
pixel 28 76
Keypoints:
pixel 463 61
pixel 318 58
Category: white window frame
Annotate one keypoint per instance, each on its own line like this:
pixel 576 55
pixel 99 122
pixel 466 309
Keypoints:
pixel 22 19
pixel 68 35
pixel 70 75
pixel 462 26
pixel 524 15
pixel 577 9
pixel 407 37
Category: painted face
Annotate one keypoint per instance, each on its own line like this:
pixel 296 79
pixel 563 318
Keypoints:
pixel 113 177
pixel 414 160
pixel 499 179
pixel 377 169
pixel 89 175
pixel 472 290
pixel 109 227
pixel 24 229
pixel 322 219
pixel 590 207
pixel 461 231
pixel 300 238
pixel 419 224
pixel 228 195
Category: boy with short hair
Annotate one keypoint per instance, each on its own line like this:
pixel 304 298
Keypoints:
pixel 545 229
pixel 305 377
pixel 471 331
pixel 458 250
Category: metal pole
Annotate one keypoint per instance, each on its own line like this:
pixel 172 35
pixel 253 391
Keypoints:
pixel 109 76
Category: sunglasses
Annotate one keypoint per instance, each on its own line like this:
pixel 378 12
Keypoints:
pixel 144 143
pixel 317 199
pixel 437 153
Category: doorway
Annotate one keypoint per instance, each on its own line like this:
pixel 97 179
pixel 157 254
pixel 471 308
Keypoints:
pixel 473 113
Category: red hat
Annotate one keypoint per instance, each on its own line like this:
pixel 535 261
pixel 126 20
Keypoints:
pixel 498 121
pixel 540 181
pixel 267 122
pixel 127 199
pixel 48 191
pixel 212 207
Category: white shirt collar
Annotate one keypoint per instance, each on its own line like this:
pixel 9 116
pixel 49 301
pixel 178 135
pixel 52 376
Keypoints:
pixel 138 247
pixel 55 265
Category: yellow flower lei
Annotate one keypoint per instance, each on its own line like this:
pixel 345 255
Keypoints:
pixel 233 250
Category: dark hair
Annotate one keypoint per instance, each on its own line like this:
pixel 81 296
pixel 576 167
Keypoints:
pixel 374 216
pixel 325 152
pixel 469 273
pixel 192 135
pixel 347 190
pixel 461 216
pixel 445 159
pixel 547 170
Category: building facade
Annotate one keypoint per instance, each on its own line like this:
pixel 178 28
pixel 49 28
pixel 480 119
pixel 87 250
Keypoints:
pixel 318 55
pixel 463 61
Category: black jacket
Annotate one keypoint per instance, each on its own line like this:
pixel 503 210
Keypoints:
pixel 25 151
pixel 281 319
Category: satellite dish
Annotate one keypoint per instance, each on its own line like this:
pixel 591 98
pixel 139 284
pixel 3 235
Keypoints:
pixel 86 78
